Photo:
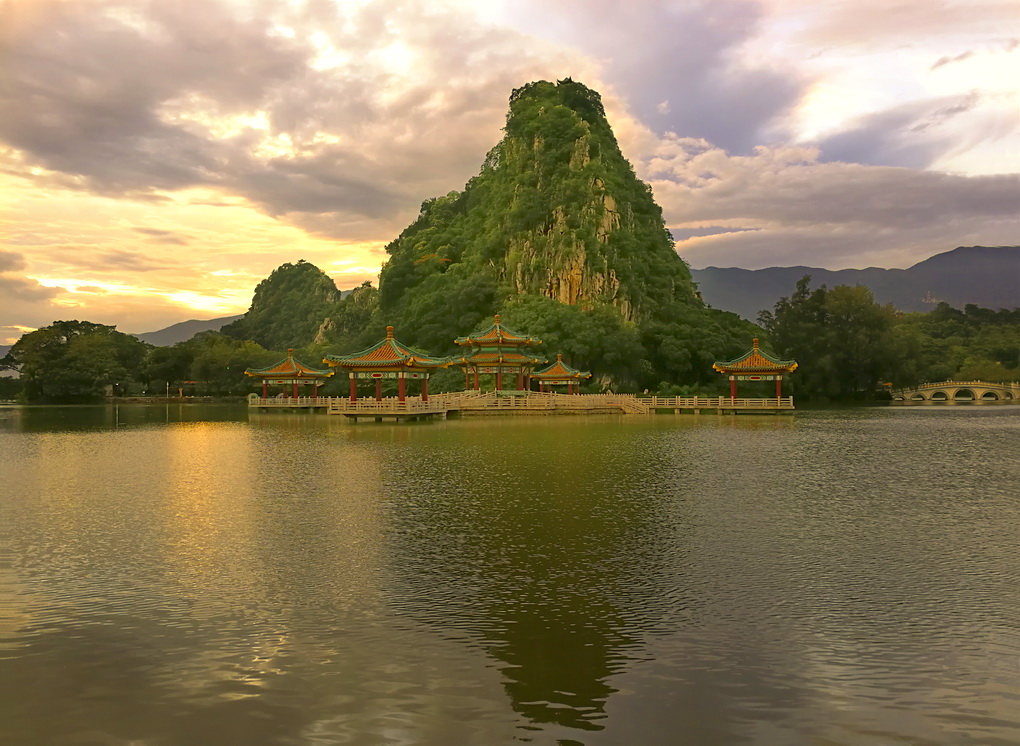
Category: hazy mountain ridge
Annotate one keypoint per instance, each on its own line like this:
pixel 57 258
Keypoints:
pixel 184 330
pixel 986 276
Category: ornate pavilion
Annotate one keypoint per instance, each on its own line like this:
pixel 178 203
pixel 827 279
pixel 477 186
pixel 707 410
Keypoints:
pixel 498 350
pixel 387 360
pixel 289 372
pixel 560 374
pixel 755 365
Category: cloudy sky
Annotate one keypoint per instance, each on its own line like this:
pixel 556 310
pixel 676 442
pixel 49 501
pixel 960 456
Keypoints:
pixel 157 159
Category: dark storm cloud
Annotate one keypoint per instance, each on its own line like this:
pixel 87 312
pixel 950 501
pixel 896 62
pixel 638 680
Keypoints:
pixel 911 135
pixel 676 64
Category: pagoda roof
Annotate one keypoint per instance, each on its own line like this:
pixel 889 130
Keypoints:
pixel 755 361
pixel 389 354
pixel 560 371
pixel 498 357
pixel 289 367
pixel 497 334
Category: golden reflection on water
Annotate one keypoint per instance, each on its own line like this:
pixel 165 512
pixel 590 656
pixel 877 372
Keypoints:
pixel 296 578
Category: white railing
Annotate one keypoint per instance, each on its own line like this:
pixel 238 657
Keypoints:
pixel 716 402
pixel 490 400
pixel 390 405
pixel 285 401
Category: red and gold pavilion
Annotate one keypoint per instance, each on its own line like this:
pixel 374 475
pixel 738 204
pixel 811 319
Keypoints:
pixel 498 350
pixel 386 360
pixel 559 374
pixel 755 366
pixel 289 372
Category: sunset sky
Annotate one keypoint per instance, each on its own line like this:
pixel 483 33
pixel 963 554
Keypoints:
pixel 160 158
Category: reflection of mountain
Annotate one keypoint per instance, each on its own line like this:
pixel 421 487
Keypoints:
pixel 544 554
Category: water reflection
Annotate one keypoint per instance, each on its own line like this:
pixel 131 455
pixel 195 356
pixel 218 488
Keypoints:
pixel 548 551
pixel 291 578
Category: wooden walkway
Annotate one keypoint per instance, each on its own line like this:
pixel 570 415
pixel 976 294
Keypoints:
pixel 514 402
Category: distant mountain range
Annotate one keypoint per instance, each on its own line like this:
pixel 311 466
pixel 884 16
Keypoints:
pixel 184 330
pixel 987 276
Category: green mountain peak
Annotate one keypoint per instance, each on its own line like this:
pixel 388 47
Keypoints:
pixel 556 211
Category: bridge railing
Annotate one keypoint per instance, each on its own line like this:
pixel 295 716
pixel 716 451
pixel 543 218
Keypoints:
pixel 289 401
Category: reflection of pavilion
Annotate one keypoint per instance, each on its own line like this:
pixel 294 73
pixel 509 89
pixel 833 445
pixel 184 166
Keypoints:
pixel 560 374
pixel 755 365
pixel 389 359
pixel 289 372
pixel 498 350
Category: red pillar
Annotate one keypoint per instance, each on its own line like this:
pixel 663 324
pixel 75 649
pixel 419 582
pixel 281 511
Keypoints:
pixel 477 387
pixel 401 388
pixel 520 381
pixel 295 388
pixel 378 389
pixel 315 389
pixel 265 389
pixel 779 387
pixel 499 379
pixel 425 388
pixel 733 387
pixel 354 388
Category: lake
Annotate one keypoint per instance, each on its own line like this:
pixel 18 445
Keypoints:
pixel 190 575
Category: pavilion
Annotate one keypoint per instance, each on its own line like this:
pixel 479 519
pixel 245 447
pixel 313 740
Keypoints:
pixel 388 359
pixel 497 349
pixel 559 374
pixel 289 372
pixel 755 365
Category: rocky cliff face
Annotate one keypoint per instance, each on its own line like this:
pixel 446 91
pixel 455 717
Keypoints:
pixel 555 211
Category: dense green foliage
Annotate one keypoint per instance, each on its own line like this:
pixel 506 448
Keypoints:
pixel 74 361
pixel 289 307
pixel 848 346
pixel 557 233
pixel 972 344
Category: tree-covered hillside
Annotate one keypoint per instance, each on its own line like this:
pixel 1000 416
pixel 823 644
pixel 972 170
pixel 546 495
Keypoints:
pixel 556 212
pixel 290 308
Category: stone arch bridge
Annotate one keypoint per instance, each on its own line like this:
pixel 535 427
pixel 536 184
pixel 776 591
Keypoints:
pixel 960 392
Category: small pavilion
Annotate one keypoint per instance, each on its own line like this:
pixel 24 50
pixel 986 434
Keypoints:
pixel 289 372
pixel 386 360
pixel 755 365
pixel 498 350
pixel 560 374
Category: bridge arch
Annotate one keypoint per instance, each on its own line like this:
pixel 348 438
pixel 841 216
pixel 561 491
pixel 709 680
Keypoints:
pixel 939 396
pixel 963 395
pixel 989 396
pixel 918 396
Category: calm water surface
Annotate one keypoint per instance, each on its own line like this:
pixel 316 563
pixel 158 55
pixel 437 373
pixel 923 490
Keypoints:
pixel 188 576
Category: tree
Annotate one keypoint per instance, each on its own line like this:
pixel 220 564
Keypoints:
pixel 843 340
pixel 74 360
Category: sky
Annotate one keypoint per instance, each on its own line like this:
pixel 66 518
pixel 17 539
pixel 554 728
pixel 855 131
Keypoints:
pixel 158 159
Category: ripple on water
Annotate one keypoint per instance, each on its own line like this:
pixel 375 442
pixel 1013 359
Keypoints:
pixel 842 577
